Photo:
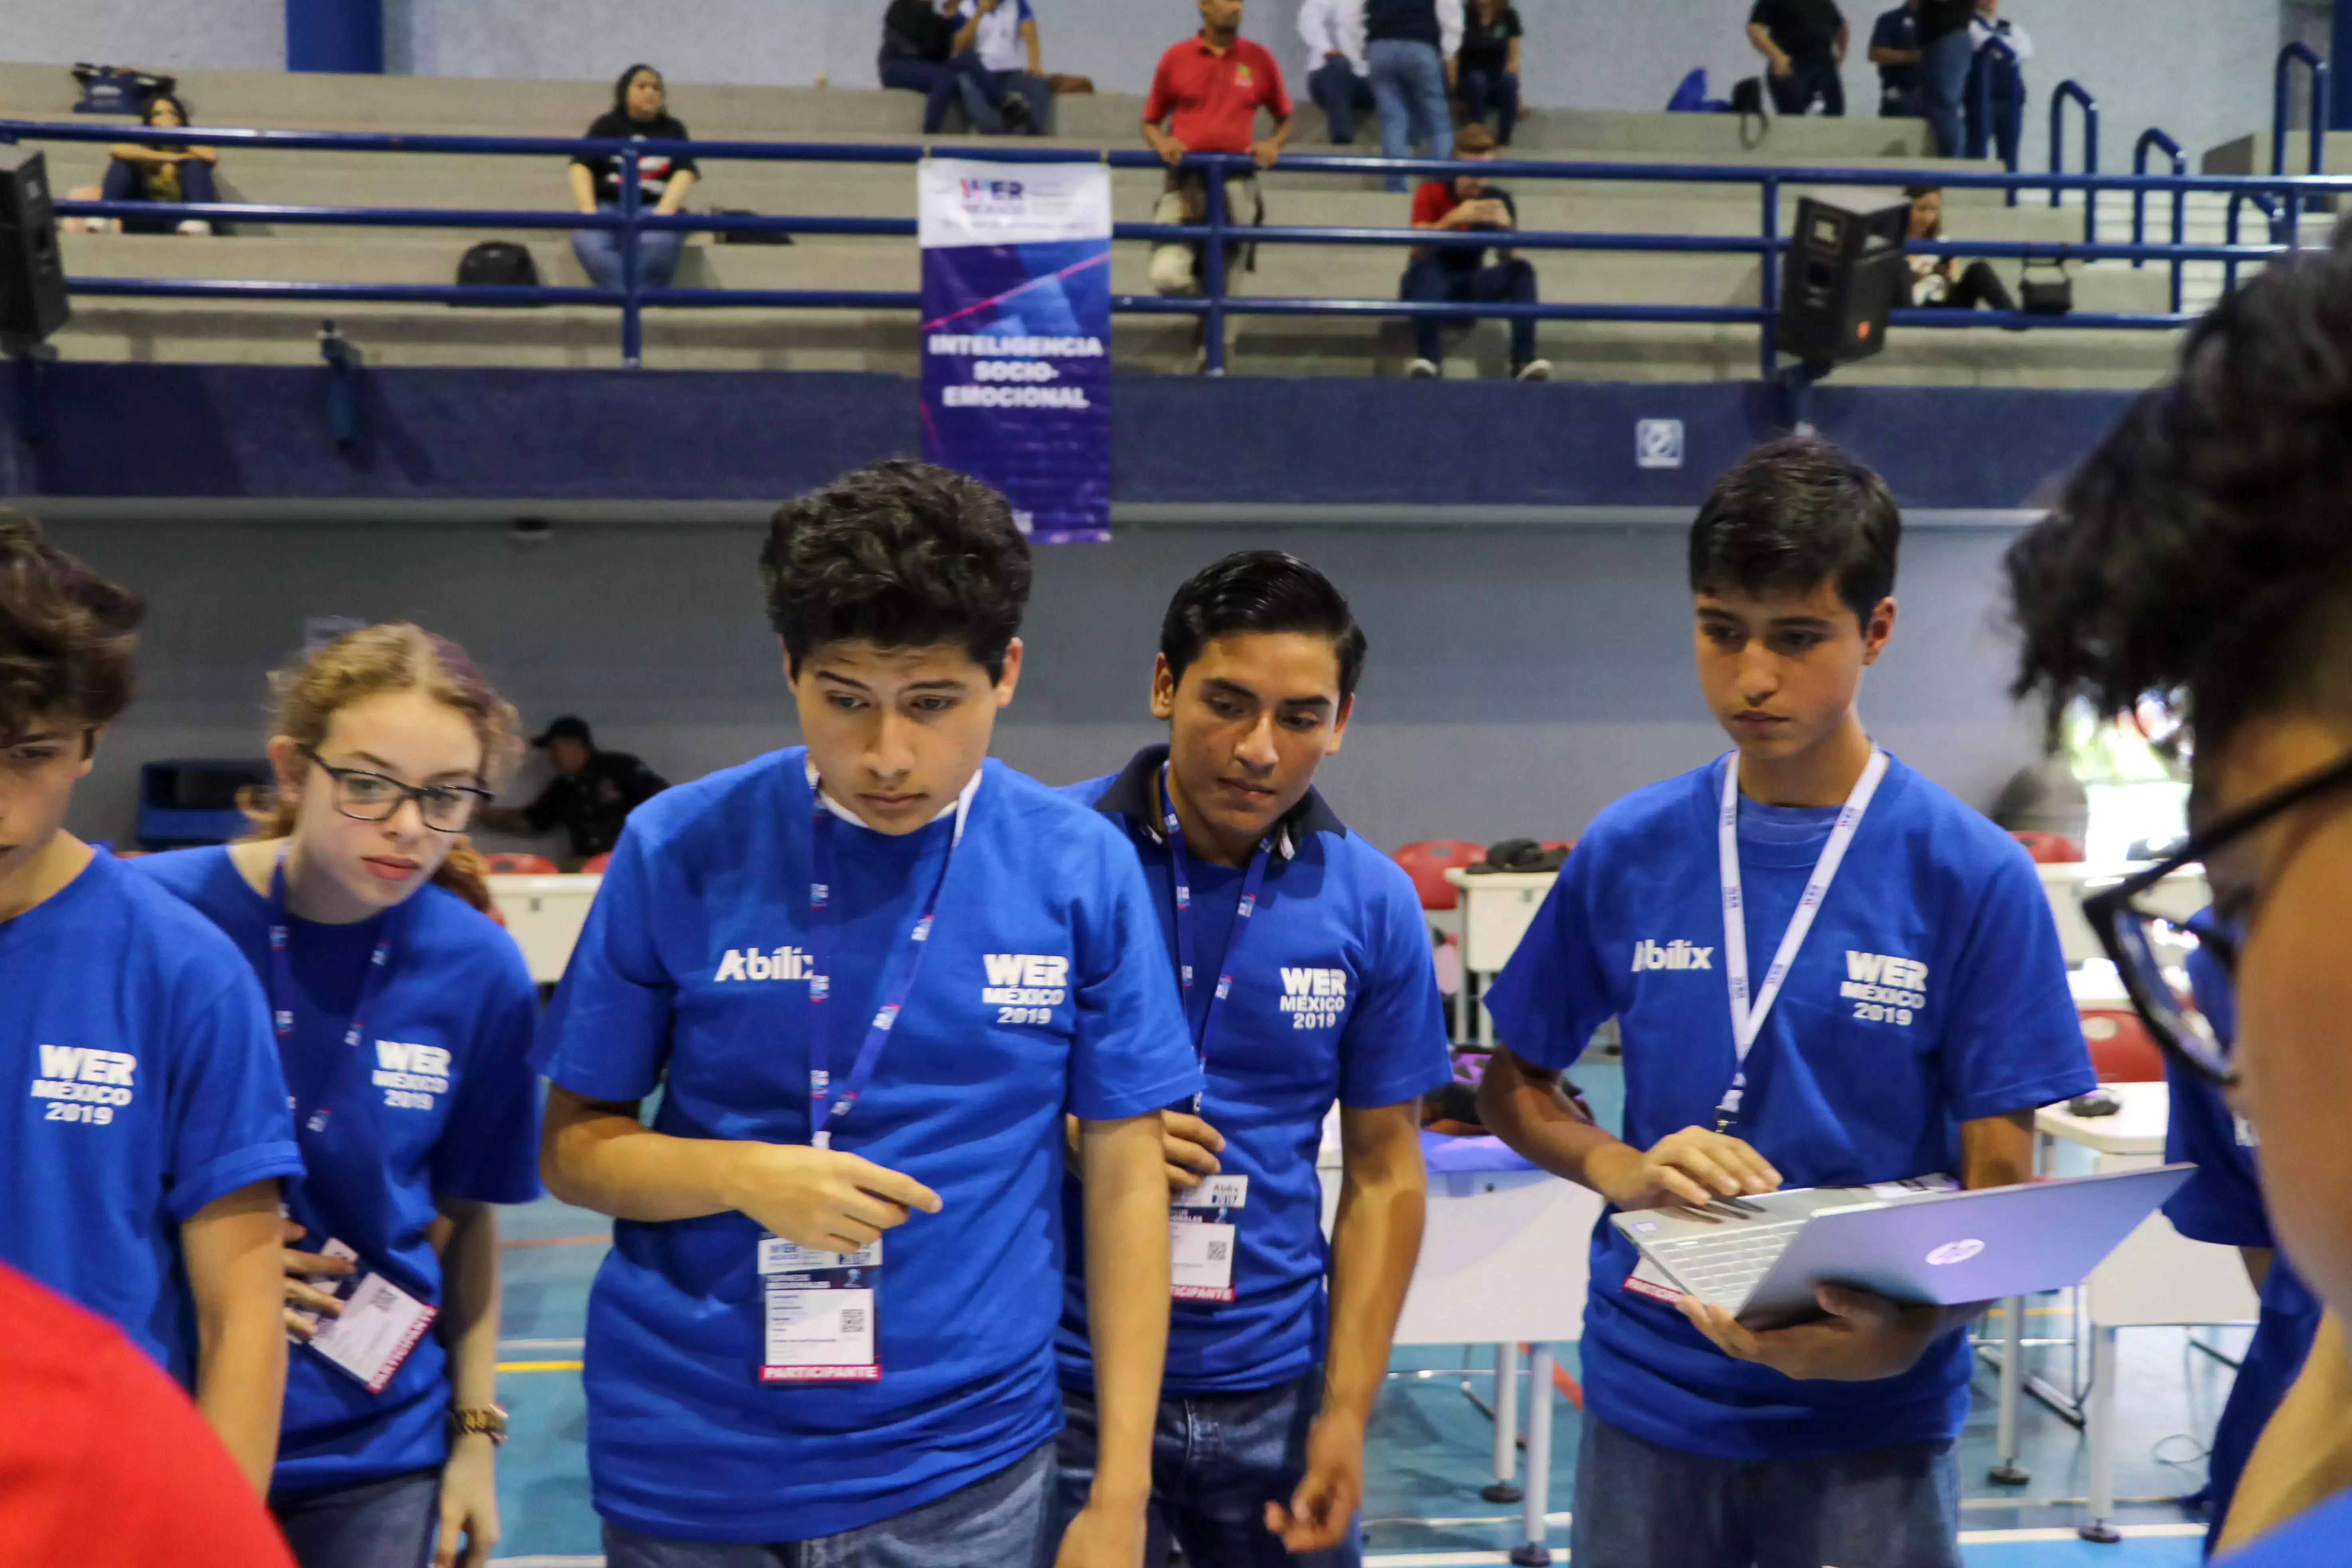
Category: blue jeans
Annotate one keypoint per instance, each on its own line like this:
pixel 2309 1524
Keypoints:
pixel 1338 91
pixel 1943 82
pixel 942 82
pixel 1806 81
pixel 375 1524
pixel 1217 1460
pixel 1498 89
pixel 997 1522
pixel 1409 87
pixel 599 250
pixel 1431 279
pixel 1641 1505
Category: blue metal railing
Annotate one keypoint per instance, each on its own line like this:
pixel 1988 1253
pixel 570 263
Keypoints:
pixel 2281 77
pixel 2238 200
pixel 2153 138
pixel 2071 89
pixel 1215 233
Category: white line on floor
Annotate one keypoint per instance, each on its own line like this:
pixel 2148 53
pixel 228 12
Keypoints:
pixel 1968 1538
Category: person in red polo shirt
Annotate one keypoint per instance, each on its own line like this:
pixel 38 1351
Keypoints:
pixel 1204 98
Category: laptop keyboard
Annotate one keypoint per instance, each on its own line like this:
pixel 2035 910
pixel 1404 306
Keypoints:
pixel 1723 1269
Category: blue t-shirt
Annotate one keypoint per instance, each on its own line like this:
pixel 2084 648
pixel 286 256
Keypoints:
pixel 1334 996
pixel 692 974
pixel 149 1089
pixel 1931 991
pixel 2222 1203
pixel 442 1103
pixel 2312 1540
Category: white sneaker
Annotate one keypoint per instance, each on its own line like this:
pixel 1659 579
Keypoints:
pixel 195 226
pixel 1423 370
pixel 1534 370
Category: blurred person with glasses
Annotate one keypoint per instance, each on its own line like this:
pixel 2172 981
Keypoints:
pixel 2201 558
pixel 404 1019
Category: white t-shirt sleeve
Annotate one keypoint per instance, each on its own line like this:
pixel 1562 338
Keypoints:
pixel 1449 27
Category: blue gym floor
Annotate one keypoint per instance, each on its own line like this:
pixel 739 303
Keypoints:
pixel 1430 1448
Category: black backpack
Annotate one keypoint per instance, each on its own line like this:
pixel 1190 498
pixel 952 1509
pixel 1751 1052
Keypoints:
pixel 495 262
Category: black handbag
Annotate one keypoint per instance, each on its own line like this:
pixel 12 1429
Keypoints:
pixel 496 262
pixel 746 236
pixel 2051 296
pixel 1519 855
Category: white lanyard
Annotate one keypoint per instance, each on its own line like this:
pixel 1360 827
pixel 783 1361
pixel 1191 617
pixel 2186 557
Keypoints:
pixel 1747 1021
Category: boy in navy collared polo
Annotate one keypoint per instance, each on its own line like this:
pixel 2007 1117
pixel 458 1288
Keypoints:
pixel 870 975
pixel 1923 1016
pixel 1310 982
pixel 2199 559
pixel 140 1165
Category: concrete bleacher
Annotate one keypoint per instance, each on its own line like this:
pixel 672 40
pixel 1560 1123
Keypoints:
pixel 742 339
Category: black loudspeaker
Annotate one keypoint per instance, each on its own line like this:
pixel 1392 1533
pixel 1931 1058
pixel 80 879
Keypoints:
pixel 32 274
pixel 1845 271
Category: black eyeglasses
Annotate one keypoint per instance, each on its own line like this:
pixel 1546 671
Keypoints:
pixel 365 796
pixel 2150 947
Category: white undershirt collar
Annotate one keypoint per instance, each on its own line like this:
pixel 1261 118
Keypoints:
pixel 962 801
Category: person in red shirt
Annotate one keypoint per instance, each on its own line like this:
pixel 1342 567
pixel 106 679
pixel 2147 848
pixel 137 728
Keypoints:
pixel 1453 273
pixel 103 1462
pixel 1205 95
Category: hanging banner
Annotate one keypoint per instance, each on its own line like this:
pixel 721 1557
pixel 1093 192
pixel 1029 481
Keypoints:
pixel 1016 336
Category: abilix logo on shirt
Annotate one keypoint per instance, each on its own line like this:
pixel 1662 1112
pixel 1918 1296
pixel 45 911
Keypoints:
pixel 1024 987
pixel 1675 955
pixel 1314 997
pixel 751 963
pixel 1884 990
pixel 84 1084
pixel 411 1075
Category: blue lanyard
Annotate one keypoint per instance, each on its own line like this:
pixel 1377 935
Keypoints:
pixel 281 1000
pixel 1181 874
pixel 822 1116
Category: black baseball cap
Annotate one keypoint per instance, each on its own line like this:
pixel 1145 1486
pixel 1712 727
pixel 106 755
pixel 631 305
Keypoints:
pixel 569 727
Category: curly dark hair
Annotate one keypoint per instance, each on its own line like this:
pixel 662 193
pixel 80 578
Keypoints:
pixel 1260 590
pixel 66 635
pixel 902 554
pixel 1792 513
pixel 2202 555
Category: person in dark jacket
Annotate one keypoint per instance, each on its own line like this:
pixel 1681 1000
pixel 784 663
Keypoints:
pixel 590 796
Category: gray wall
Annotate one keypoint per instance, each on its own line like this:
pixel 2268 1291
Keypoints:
pixel 2201 68
pixel 1520 679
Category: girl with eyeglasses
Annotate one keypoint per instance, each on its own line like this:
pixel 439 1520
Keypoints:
pixel 403 1015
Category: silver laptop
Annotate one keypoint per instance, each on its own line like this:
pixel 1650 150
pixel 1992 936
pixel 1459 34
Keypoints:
pixel 1919 1241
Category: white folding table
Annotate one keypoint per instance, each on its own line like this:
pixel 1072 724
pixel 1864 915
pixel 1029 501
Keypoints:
pixel 544 915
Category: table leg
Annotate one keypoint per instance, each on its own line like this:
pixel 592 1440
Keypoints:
pixel 1486 1020
pixel 2099 1422
pixel 1533 1529
pixel 2006 1470
pixel 1506 1486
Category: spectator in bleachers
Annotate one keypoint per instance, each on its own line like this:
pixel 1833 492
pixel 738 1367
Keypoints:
pixel 1004 37
pixel 1486 70
pixel 640 112
pixel 1205 95
pixel 1409 50
pixel 1895 51
pixel 925 49
pixel 1998 135
pixel 1938 282
pixel 1338 82
pixel 1805 42
pixel 144 173
pixel 1945 51
pixel 1454 273
pixel 591 795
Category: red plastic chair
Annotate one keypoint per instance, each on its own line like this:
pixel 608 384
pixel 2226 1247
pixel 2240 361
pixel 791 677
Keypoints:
pixel 2122 1051
pixel 517 863
pixel 2049 848
pixel 595 865
pixel 1425 861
